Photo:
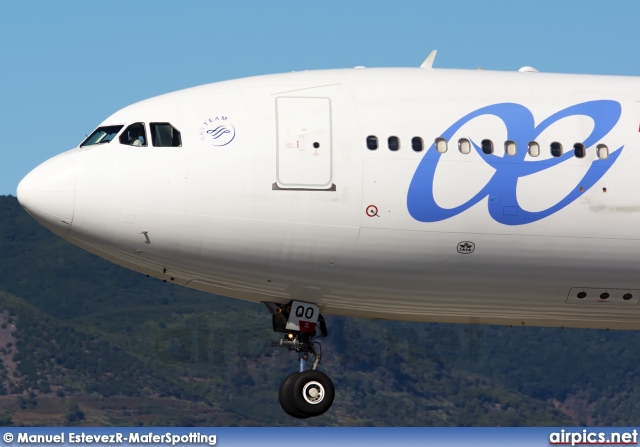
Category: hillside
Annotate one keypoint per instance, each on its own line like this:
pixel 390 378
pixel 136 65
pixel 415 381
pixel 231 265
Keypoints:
pixel 83 341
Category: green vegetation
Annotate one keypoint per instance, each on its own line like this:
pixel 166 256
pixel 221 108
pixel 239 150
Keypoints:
pixel 86 342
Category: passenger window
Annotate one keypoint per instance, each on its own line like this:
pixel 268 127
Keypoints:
pixel 579 150
pixel 394 143
pixel 441 145
pixel 134 135
pixel 556 149
pixel 102 135
pixel 165 135
pixel 533 148
pixel 417 144
pixel 603 151
pixel 487 146
pixel 372 142
pixel 510 147
pixel 464 146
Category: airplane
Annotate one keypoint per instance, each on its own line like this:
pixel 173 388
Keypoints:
pixel 417 194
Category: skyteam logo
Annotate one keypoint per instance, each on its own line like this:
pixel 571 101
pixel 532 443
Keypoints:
pixel 217 130
pixel 521 129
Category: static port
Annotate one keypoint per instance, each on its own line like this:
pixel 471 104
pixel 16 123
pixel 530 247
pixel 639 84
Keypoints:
pixel 627 296
pixel 604 296
pixel 582 295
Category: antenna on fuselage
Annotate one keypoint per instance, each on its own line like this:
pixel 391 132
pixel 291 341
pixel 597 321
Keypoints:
pixel 428 62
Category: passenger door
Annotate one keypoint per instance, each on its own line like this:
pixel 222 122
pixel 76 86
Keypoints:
pixel 304 146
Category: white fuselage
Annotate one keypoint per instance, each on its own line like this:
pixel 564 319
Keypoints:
pixel 274 195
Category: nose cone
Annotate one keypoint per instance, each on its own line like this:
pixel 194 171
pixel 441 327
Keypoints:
pixel 48 193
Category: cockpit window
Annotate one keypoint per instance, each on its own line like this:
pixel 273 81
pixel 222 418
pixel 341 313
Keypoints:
pixel 134 135
pixel 102 135
pixel 165 135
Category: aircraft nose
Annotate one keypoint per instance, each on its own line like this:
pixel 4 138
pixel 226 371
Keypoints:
pixel 48 193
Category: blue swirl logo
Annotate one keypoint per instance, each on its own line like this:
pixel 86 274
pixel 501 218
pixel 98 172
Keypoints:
pixel 222 134
pixel 521 129
pixel 217 130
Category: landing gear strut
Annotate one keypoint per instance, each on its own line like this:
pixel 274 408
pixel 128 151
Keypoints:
pixel 306 393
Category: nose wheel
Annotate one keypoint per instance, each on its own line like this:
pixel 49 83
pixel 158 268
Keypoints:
pixel 308 392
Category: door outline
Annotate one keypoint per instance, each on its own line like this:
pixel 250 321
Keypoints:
pixel 281 185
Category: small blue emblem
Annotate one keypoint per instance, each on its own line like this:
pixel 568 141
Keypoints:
pixel 218 131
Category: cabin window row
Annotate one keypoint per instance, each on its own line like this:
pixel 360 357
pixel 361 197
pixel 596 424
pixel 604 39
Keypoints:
pixel 464 147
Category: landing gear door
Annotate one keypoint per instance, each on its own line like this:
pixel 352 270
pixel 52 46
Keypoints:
pixel 304 152
pixel 303 317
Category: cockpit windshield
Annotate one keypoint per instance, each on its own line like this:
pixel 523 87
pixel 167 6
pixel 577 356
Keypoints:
pixel 102 135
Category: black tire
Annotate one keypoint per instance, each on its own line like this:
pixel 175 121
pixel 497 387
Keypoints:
pixel 285 395
pixel 313 393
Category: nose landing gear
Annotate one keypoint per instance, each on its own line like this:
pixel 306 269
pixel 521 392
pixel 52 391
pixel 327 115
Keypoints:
pixel 306 393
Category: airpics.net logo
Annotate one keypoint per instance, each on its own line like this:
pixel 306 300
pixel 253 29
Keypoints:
pixel 217 131
pixel 591 437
